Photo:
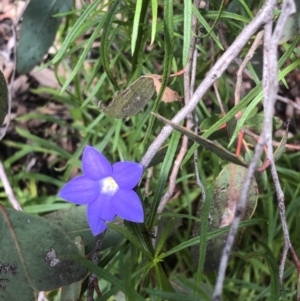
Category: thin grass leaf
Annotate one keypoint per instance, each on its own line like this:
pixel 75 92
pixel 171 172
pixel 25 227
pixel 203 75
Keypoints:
pixel 204 231
pixel 173 296
pixel 3 97
pixel 99 84
pixel 187 26
pixel 104 274
pixel 163 176
pixel 211 235
pixel 206 26
pixel 132 238
pixel 248 11
pixel 168 58
pixel 104 48
pixel 164 236
pixel 256 101
pixel 226 15
pixel 73 34
pixel 216 20
pixel 49 145
pixel 219 150
pixel 83 55
pixel 136 24
pixel 162 281
pixel 154 5
pixel 273 269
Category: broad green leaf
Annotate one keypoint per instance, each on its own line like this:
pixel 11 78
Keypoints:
pixel 291 28
pixel 256 123
pixel 37 255
pixel 212 146
pixel 3 98
pixel 74 223
pixel 130 101
pixel 72 291
pixel 227 190
pixel 38 31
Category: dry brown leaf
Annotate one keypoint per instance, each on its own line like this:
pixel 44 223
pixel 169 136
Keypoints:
pixel 45 77
pixel 169 94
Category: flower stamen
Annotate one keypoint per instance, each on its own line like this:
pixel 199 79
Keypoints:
pixel 109 186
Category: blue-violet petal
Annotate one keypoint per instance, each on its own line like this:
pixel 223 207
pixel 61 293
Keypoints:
pixel 94 164
pixel 127 205
pixel 96 224
pixel 127 174
pixel 80 190
pixel 102 207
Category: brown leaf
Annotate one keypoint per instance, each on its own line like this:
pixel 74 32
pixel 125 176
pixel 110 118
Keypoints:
pixel 169 94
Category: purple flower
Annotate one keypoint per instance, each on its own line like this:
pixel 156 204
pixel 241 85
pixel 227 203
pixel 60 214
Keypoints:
pixel 106 189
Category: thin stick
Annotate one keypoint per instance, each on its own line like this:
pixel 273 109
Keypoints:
pixel 288 101
pixel 270 86
pixel 189 123
pixel 263 16
pixel 94 258
pixel 12 79
pixel 274 143
pixel 8 190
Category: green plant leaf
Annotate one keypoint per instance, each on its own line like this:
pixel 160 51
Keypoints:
pixel 216 148
pixel 124 231
pixel 187 31
pixel 256 123
pixel 136 24
pixel 281 148
pixel 74 222
pixel 168 57
pixel 37 255
pixel 104 48
pixel 3 98
pixel 211 235
pixel 38 31
pixel 130 101
pixel 226 195
pixel 154 6
pixel 163 176
pixel 291 28
pixel 72 291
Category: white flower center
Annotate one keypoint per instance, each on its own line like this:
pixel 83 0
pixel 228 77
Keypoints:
pixel 109 186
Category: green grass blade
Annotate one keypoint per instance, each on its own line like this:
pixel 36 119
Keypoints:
pixel 187 26
pixel 207 27
pixel 164 172
pixel 72 35
pixel 136 24
pixel 104 48
pixel 154 5
pixel 168 58
pixel 83 55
